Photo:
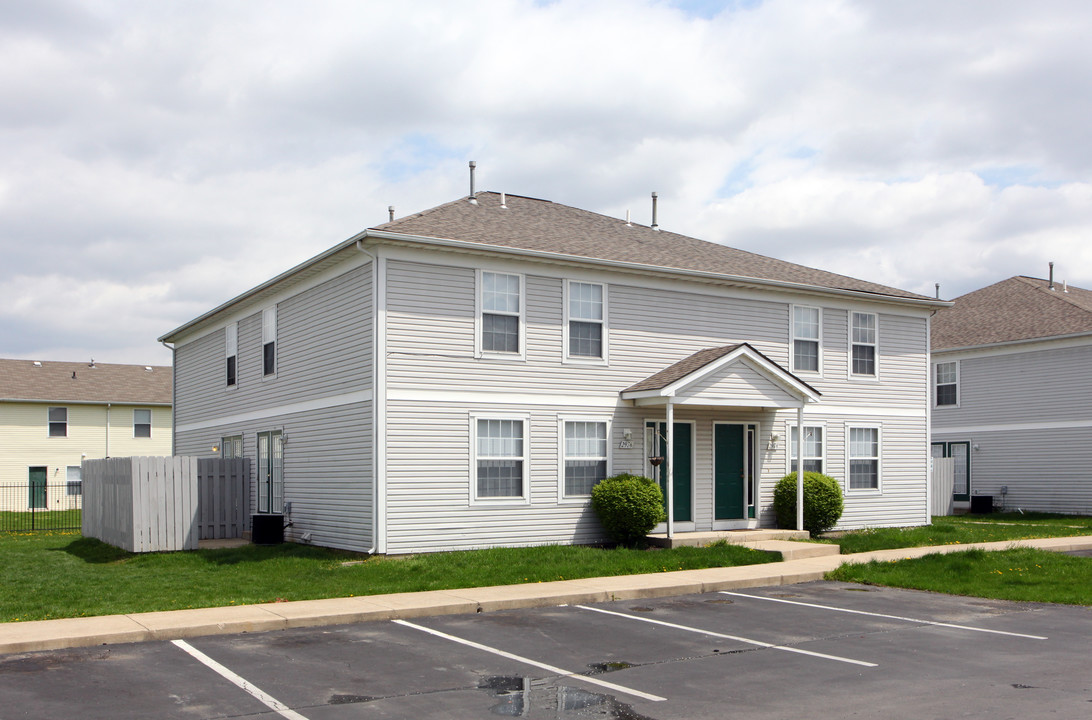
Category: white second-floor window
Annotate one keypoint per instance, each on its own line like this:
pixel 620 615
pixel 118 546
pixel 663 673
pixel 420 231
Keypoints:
pixel 586 320
pixel 863 341
pixel 947 384
pixel 805 338
pixel 501 312
pixel 231 353
pixel 142 423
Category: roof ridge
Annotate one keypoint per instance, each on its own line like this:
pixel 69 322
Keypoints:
pixel 1066 296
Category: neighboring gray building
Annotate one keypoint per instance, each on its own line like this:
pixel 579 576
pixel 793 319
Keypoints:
pixel 461 378
pixel 1012 399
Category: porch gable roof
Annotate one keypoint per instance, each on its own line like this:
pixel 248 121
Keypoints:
pixel 746 376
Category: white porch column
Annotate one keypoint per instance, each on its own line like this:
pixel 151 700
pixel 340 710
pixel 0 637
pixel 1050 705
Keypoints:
pixel 670 453
pixel 800 467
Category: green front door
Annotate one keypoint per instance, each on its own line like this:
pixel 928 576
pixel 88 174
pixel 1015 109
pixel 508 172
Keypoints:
pixel 729 477
pixel 681 471
pixel 37 487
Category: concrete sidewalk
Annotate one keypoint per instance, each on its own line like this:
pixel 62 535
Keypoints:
pixel 139 627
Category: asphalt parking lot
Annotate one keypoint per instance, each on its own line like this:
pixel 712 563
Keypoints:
pixel 829 649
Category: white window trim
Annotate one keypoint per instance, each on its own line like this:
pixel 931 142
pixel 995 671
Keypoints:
pixel 793 338
pixel 562 498
pixel 933 385
pixel 269 328
pixel 849 350
pixel 151 424
pixel 790 425
pixel 522 315
pixel 231 349
pixel 581 359
pixel 525 499
pixel 858 492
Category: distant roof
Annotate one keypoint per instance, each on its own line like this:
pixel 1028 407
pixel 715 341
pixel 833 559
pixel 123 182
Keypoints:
pixel 80 382
pixel 531 224
pixel 1020 308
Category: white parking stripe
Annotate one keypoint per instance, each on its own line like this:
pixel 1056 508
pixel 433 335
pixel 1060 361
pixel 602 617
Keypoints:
pixel 881 615
pixel 534 663
pixel 749 641
pixel 271 702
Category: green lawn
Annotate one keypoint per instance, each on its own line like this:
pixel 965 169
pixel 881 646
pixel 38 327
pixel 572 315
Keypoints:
pixel 54 575
pixel 963 529
pixel 1021 574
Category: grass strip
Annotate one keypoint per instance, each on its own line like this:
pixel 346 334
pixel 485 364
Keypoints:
pixel 963 529
pixel 56 575
pixel 1022 574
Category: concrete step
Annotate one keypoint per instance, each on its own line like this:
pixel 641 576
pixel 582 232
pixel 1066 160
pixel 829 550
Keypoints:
pixel 794 550
pixel 735 537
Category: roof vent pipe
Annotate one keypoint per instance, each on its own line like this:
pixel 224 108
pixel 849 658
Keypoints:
pixel 1065 286
pixel 655 225
pixel 473 198
pixel 938 291
pixel 390 209
pixel 628 223
pixel 504 201
pixel 1051 274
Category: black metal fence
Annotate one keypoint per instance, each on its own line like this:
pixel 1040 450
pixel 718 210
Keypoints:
pixel 31 506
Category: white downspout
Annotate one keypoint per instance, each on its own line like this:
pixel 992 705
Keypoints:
pixel 174 395
pixel 669 461
pixel 107 430
pixel 378 400
pixel 800 466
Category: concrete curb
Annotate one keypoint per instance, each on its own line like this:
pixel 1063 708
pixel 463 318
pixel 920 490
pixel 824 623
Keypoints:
pixel 40 635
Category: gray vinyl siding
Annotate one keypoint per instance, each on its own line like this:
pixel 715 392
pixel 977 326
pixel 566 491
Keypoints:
pixel 431 347
pixel 1045 461
pixel 324 348
pixel 327 470
pixel 324 354
pixel 1048 385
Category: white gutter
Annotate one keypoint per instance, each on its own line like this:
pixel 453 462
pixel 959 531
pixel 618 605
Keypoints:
pixel 1009 343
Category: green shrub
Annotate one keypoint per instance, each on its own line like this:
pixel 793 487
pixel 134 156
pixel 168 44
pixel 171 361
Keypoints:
pixel 822 502
pixel 628 506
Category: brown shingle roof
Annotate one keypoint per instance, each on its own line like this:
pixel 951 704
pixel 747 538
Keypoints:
pixel 1020 308
pixel 54 382
pixel 693 363
pixel 541 225
pixel 682 368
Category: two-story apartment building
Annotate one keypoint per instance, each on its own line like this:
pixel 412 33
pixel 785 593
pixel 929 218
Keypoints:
pixel 463 376
pixel 1012 396
pixel 54 415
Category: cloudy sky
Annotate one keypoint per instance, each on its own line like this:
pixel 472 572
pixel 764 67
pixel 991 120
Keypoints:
pixel 158 158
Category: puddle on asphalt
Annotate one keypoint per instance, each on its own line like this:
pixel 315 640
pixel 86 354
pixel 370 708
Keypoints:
pixel 610 666
pixel 642 608
pixel 726 601
pixel 525 697
pixel 848 589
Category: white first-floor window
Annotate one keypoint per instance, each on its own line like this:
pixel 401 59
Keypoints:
pixel 864 458
pixel 500 458
pixel 813 448
pixel 73 480
pixel 585 456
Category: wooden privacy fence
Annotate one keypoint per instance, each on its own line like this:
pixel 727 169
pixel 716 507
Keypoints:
pixel 943 502
pixel 152 504
pixel 141 504
pixel 223 497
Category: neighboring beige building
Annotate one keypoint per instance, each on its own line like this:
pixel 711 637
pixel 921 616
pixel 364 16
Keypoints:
pixel 53 415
